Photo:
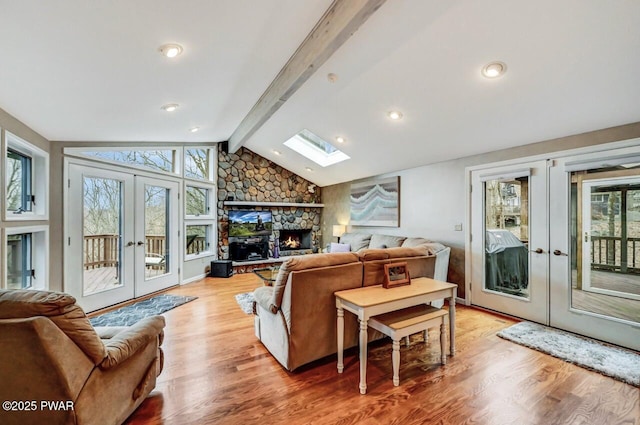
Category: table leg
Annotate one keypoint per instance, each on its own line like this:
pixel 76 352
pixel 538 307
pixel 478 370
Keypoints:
pixel 363 356
pixel 340 339
pixel 452 323
pixel 395 361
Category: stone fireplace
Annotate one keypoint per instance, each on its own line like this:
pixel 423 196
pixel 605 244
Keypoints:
pixel 261 185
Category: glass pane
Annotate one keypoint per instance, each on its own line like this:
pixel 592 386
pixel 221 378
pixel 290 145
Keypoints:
pixel 507 236
pixel 102 229
pixel 19 261
pixel 156 230
pixel 605 251
pixel 197 239
pixel 197 201
pixel 196 163
pixel 153 159
pixel 18 175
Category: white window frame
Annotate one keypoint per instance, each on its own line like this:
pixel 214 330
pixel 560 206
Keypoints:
pixel 210 224
pixel 211 200
pixel 39 178
pixel 39 254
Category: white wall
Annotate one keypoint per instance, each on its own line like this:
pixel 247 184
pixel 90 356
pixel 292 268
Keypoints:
pixel 433 197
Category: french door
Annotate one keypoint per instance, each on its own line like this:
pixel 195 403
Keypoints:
pixel 121 236
pixel 509 244
pixel 595 242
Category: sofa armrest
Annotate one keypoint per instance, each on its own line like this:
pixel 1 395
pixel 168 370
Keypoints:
pixel 126 343
pixel 263 297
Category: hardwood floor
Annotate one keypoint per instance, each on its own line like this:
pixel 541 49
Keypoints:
pixel 217 372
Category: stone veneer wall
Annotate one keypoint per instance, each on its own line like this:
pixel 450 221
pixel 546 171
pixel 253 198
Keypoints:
pixel 247 176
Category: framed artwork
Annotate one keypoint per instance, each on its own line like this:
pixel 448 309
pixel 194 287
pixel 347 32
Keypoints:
pixel 396 274
pixel 376 202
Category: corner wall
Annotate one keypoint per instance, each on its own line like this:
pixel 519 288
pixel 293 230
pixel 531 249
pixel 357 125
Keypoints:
pixel 433 197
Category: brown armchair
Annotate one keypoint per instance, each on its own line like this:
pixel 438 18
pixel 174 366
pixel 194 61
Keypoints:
pixel 49 352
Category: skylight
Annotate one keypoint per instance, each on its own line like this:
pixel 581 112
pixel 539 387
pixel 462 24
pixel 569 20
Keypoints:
pixel 316 149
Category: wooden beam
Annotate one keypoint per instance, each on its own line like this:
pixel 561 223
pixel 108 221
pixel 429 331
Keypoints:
pixel 340 21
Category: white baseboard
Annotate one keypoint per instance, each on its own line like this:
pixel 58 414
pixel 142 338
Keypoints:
pixel 193 279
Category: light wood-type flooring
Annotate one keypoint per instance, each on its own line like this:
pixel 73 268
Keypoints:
pixel 217 372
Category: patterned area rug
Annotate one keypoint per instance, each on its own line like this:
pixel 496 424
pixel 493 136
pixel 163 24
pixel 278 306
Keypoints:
pixel 128 315
pixel 618 363
pixel 245 301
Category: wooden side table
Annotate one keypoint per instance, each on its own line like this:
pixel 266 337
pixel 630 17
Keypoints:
pixel 374 300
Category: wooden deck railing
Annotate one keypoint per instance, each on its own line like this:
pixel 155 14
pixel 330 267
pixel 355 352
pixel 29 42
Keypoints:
pixel 607 253
pixel 102 250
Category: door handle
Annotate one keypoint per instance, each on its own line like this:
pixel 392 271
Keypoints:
pixel 140 243
pixel 538 251
pixel 558 252
pixel 130 243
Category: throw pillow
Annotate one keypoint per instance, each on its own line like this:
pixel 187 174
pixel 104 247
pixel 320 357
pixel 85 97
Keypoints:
pixel 356 240
pixel 340 247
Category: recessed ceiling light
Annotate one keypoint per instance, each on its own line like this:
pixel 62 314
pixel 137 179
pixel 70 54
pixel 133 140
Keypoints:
pixel 277 152
pixel 171 50
pixel 494 69
pixel 194 129
pixel 169 107
pixel 395 115
pixel 309 169
pixel 340 139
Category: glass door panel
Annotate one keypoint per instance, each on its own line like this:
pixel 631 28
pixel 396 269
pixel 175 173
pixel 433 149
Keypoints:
pixel 156 230
pixel 156 264
pixel 102 234
pixel 507 236
pixel 608 280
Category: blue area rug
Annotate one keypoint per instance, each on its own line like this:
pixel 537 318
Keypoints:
pixel 245 301
pixel 128 315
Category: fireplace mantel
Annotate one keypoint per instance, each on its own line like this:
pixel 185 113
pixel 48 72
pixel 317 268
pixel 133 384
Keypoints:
pixel 272 204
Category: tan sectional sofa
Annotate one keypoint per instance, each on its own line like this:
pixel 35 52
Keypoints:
pixel 296 317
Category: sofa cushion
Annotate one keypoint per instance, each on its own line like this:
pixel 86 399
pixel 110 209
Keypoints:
pixel 385 241
pixel 373 254
pixel 339 247
pixel 401 252
pixel 356 240
pixel 433 247
pixel 412 242
pixel 304 262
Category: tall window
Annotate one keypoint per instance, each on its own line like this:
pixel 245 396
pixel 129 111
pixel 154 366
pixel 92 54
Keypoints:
pixel 25 259
pixel 199 217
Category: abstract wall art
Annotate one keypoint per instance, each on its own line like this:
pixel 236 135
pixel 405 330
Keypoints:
pixel 376 202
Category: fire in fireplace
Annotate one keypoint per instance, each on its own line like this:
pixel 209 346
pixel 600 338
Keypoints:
pixel 295 239
pixel 292 242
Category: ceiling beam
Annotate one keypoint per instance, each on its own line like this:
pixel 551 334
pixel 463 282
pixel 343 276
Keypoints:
pixel 340 21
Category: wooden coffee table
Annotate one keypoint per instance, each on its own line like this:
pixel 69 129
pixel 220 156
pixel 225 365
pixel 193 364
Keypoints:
pixel 373 300
pixel 267 274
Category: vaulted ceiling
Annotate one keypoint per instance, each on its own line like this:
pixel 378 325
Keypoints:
pixel 91 71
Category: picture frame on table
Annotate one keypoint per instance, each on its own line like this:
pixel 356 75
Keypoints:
pixel 396 274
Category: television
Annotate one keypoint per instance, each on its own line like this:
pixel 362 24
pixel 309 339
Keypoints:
pixel 250 223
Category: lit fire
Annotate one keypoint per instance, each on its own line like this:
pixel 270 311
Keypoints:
pixel 291 243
